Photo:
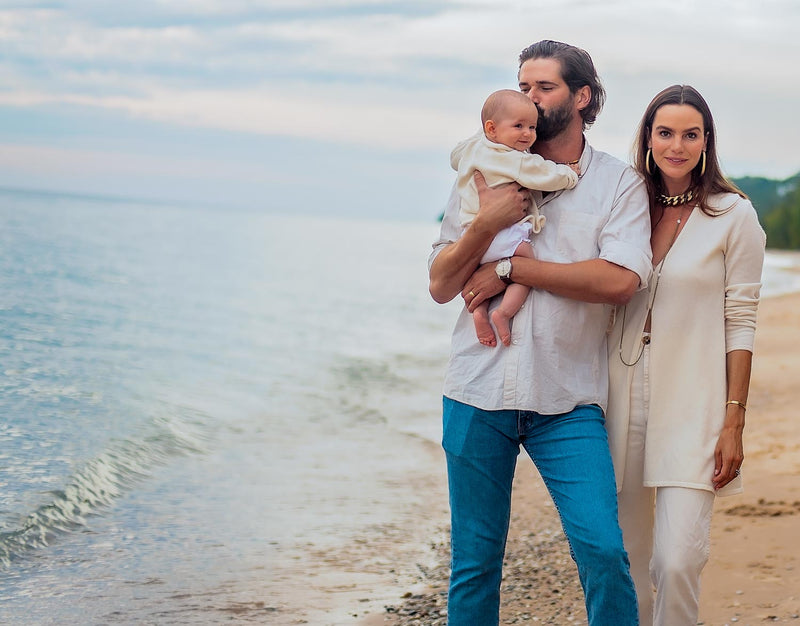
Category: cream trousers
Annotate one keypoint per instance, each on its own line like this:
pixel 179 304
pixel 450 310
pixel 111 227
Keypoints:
pixel 666 529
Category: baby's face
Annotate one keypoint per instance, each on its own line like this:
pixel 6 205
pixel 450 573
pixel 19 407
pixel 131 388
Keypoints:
pixel 516 128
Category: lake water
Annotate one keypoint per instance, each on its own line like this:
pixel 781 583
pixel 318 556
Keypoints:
pixel 213 415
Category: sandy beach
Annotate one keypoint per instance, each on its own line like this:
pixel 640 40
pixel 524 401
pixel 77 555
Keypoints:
pixel 753 575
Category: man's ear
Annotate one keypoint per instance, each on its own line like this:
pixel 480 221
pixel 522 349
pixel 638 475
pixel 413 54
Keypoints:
pixel 583 97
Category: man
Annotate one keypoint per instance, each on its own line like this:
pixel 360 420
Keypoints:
pixel 548 389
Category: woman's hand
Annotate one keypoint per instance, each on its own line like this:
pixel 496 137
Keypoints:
pixel 729 452
pixel 728 455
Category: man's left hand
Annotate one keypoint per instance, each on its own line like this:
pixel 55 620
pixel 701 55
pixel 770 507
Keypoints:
pixel 482 285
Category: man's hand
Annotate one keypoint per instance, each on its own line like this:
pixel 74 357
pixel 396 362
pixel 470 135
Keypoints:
pixel 482 285
pixel 500 206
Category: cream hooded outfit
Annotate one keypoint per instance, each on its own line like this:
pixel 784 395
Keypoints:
pixel 500 164
pixel 666 410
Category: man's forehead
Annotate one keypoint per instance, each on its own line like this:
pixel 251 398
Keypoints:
pixel 535 71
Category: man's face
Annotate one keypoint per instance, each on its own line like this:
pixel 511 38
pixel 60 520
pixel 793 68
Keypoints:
pixel 540 80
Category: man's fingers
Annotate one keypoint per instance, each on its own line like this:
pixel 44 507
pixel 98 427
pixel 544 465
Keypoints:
pixel 480 181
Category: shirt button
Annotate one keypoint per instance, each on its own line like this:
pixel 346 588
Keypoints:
pixel 515 342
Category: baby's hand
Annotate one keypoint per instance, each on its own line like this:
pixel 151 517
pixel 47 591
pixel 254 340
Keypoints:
pixel 576 167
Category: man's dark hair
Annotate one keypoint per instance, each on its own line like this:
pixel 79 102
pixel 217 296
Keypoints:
pixel 577 70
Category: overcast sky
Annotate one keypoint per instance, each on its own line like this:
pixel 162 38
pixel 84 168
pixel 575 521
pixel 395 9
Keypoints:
pixel 351 108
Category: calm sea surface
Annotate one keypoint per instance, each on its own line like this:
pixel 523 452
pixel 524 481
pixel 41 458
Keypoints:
pixel 210 416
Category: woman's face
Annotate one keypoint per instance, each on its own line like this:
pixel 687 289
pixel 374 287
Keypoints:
pixel 677 140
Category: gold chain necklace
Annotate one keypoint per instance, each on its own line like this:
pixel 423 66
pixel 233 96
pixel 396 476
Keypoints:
pixel 678 200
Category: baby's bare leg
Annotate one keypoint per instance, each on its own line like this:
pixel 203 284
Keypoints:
pixel 483 328
pixel 513 299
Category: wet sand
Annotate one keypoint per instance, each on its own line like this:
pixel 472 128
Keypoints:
pixel 753 574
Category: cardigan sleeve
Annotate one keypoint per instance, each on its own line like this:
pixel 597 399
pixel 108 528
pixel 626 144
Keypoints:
pixel 744 260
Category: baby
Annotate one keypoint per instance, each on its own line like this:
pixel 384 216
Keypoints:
pixel 498 151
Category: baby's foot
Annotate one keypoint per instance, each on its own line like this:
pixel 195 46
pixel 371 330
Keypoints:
pixel 483 328
pixel 501 322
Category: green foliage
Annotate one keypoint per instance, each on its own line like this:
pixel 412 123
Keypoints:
pixel 782 224
pixel 777 203
pixel 765 193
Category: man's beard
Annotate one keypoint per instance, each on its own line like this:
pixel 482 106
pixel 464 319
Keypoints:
pixel 554 122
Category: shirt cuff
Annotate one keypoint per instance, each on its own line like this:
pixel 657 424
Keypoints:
pixel 630 257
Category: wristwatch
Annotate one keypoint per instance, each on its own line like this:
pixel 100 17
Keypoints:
pixel 503 270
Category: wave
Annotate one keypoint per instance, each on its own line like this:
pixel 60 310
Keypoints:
pixel 781 273
pixel 101 481
pixel 401 391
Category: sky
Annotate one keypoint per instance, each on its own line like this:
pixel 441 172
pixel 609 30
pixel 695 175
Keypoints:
pixel 351 108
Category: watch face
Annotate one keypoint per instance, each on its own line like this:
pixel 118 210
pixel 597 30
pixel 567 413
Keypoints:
pixel 503 268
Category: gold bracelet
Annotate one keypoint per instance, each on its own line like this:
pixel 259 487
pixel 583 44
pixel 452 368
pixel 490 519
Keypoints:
pixel 741 404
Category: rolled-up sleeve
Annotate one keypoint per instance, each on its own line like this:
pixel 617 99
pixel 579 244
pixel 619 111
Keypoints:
pixel 744 261
pixel 451 228
pixel 625 238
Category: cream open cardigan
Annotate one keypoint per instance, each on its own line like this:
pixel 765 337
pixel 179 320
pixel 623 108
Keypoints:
pixel 705 306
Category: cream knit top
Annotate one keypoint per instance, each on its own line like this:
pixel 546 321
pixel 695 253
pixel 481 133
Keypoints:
pixel 705 306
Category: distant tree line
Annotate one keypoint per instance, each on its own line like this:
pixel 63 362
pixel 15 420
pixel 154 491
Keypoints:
pixel 777 203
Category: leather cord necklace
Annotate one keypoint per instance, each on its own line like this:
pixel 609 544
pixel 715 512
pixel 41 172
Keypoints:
pixel 646 338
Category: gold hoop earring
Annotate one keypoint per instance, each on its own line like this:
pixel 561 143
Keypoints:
pixel 703 167
pixel 647 162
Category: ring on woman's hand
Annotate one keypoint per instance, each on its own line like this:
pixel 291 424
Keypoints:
pixel 471 293
pixel 737 472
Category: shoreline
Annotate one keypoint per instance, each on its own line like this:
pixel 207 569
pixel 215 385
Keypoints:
pixel 751 574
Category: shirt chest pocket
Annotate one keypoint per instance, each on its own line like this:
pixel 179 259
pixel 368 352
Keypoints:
pixel 579 236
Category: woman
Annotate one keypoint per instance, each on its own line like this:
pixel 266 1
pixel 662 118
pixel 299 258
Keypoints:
pixel 680 356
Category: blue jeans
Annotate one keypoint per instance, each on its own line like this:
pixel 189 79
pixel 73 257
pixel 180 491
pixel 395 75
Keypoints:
pixel 571 453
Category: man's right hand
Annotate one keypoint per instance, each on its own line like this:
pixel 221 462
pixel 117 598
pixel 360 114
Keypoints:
pixel 500 206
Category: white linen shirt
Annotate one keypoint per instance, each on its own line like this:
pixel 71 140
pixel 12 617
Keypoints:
pixel 557 358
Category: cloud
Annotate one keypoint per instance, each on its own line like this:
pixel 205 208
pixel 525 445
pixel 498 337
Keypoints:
pixel 408 77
